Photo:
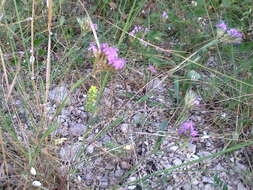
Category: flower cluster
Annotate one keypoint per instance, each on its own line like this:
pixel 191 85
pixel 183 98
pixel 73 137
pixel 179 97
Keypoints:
pixel 227 35
pixel 234 33
pixel 137 29
pixel 140 29
pixel 188 129
pixel 110 53
pixel 164 16
pixel 91 99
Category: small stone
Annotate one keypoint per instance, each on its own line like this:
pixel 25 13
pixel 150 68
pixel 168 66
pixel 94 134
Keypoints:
pixel 155 85
pixel 122 188
pixel 125 165
pixel 33 171
pixel 104 182
pixel 207 179
pixel 65 112
pixel 177 162
pixel 187 186
pixel 68 152
pixel 166 164
pixel 106 139
pixel 124 128
pixel 174 148
pixel 195 181
pixel 58 94
pixel 218 167
pixel 109 166
pixel 90 149
pixel 131 179
pixel 232 159
pixel 204 154
pixel 36 183
pixel 208 187
pixel 192 147
pixel 137 118
pixel 119 173
pixel 77 129
pixel 240 167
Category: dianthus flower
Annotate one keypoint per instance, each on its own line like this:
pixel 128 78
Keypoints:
pixel 187 129
pixel 111 54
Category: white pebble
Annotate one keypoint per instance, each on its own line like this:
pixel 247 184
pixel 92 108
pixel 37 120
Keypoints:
pixel 36 184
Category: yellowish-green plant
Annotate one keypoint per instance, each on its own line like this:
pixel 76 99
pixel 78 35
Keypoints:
pixel 91 100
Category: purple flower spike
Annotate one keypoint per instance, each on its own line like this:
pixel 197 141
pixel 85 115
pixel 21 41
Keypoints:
pixel 234 33
pixel 137 29
pixel 187 129
pixel 222 26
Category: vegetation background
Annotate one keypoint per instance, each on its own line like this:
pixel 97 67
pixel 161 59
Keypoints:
pixel 174 57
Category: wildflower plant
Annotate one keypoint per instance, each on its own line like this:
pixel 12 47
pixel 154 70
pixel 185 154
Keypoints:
pixel 228 35
pixel 140 32
pixel 191 99
pixel 187 129
pixel 164 16
pixel 86 25
pixel 91 100
pixel 185 126
pixel 107 58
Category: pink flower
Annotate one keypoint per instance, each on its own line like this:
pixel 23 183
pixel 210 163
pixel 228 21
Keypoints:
pixel 118 63
pixel 111 54
pixel 187 129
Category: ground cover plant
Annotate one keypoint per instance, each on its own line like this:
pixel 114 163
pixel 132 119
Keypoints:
pixel 127 94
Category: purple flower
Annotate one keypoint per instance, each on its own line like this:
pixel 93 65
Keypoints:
pixel 137 29
pixel 222 26
pixel 118 63
pixel 234 33
pixel 187 129
pixel 111 54
pixel 165 15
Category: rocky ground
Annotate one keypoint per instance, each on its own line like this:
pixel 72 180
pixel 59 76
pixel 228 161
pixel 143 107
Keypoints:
pixel 142 142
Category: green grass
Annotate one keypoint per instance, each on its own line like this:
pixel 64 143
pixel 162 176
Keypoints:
pixel 176 47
